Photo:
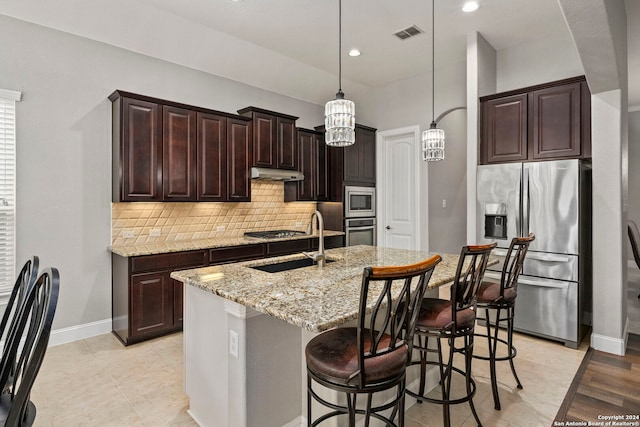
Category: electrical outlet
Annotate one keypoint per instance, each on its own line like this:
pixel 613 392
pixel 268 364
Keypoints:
pixel 444 203
pixel 220 228
pixel 128 234
pixel 298 224
pixel 155 232
pixel 233 343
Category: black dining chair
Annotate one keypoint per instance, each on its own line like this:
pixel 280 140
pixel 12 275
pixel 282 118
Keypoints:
pixel 25 280
pixel 24 351
pixel 634 238
pixel 372 356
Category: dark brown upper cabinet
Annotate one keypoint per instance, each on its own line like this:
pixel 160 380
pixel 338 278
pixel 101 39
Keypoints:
pixel 137 150
pixel 239 143
pixel 504 128
pixel 274 138
pixel 224 157
pixel 312 162
pixel 166 151
pixel 544 122
pixel 178 154
pixel 352 165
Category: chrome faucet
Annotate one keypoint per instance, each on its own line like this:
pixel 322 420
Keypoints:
pixel 318 256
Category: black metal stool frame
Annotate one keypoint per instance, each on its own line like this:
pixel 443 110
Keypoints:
pixel 390 319
pixel 469 273
pixel 511 270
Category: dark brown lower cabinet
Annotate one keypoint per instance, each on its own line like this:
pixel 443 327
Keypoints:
pixel 152 295
pixel 148 303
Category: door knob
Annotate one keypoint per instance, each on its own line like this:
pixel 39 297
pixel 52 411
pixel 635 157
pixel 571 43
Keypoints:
pixel 388 227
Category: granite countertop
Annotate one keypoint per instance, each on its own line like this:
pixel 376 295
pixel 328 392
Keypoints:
pixel 312 298
pixel 192 245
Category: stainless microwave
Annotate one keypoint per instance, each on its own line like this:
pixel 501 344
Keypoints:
pixel 359 202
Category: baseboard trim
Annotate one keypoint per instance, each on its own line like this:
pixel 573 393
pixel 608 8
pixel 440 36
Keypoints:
pixel 79 332
pixel 611 345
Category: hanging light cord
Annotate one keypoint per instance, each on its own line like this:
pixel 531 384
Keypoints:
pixel 433 65
pixel 340 94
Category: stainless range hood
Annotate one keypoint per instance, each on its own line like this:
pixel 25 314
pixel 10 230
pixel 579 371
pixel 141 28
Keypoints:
pixel 276 174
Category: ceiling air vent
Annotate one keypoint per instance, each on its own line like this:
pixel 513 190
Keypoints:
pixel 408 32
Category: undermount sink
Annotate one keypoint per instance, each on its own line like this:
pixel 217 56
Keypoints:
pixel 288 265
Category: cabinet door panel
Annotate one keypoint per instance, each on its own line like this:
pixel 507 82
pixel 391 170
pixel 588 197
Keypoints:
pixel 306 147
pixel 287 144
pixel 367 141
pixel 212 157
pixel 322 167
pixel 178 301
pixel 556 122
pixel 179 153
pixel 360 159
pixel 352 162
pixel 151 303
pixel 238 160
pixel 504 129
pixel 141 151
pixel 264 147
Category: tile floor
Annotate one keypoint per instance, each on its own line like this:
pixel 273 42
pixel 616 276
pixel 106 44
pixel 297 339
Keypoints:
pixel 98 382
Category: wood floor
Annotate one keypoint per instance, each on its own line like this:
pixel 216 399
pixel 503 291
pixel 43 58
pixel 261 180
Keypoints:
pixel 605 385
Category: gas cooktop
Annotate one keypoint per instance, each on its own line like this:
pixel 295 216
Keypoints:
pixel 274 234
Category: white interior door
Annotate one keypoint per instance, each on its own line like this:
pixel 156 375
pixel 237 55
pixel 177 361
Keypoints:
pixel 399 188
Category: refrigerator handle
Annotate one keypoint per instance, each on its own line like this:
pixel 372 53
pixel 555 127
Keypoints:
pixel 526 205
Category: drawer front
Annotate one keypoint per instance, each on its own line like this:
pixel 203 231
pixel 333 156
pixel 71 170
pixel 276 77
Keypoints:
pixel 170 261
pixel 236 253
pixel 548 308
pixel 557 266
pixel 329 242
pixel 287 247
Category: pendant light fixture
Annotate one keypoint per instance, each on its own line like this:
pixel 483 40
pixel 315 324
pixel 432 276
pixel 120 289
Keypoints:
pixel 339 114
pixel 433 138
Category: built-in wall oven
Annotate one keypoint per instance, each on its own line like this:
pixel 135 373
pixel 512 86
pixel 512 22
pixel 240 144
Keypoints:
pixel 359 215
pixel 359 202
pixel 360 231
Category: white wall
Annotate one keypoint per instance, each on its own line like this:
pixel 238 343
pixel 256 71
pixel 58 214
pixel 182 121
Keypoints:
pixel 539 62
pixel 408 102
pixel 64 147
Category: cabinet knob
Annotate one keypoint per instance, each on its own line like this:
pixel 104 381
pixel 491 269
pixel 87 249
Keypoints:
pixel 388 227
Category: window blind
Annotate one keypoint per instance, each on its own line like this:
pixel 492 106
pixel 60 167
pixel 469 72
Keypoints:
pixel 8 100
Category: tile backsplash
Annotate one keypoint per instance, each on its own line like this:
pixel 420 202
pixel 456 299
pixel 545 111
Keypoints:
pixel 191 221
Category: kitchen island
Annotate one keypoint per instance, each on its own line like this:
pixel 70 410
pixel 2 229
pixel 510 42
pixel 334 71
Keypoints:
pixel 245 330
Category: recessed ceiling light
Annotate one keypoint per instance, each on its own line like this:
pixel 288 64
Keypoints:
pixel 470 6
pixel 355 52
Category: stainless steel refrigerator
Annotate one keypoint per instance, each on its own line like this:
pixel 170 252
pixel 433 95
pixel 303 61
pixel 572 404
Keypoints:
pixel 553 200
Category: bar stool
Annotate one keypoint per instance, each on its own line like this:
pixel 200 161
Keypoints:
pixel 373 356
pixel 451 319
pixel 497 299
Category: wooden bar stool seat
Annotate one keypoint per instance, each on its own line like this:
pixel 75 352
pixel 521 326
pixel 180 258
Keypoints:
pixel 372 356
pixel 498 301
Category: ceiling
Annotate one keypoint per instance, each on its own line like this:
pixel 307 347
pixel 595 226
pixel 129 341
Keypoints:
pixel 291 46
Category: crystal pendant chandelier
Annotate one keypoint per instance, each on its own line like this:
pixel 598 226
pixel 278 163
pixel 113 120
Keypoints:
pixel 433 138
pixel 339 114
